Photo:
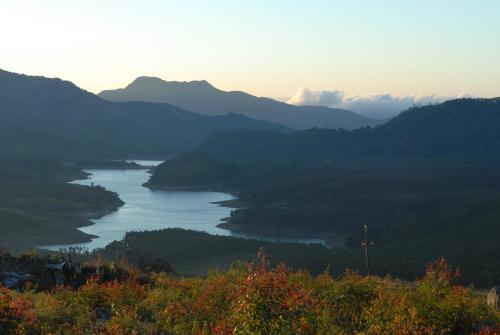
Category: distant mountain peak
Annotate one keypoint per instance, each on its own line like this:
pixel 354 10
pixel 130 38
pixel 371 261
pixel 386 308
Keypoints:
pixel 146 80
pixel 203 98
pixel 147 83
pixel 43 117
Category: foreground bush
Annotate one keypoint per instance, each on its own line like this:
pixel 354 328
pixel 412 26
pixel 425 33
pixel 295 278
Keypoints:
pixel 253 300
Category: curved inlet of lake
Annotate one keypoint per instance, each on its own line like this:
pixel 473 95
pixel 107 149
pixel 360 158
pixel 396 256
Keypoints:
pixel 147 209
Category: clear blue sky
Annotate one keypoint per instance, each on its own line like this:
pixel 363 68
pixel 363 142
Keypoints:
pixel 268 48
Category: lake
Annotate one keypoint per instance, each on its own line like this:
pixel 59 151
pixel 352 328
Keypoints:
pixel 147 209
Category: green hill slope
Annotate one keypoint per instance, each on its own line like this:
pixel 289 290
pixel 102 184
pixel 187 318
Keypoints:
pixel 426 183
pixel 41 117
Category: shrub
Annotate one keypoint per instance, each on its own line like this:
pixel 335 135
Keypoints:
pixel 253 300
pixel 15 314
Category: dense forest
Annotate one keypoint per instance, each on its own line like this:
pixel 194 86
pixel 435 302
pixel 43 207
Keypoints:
pixel 461 128
pixel 426 183
pixel 194 252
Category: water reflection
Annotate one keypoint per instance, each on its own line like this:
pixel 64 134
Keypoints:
pixel 147 209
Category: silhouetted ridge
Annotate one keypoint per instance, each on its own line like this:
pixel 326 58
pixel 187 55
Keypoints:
pixel 461 127
pixel 156 86
pixel 54 118
pixel 43 94
pixel 201 97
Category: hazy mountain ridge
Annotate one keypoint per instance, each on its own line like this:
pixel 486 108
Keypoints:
pixel 54 118
pixel 201 97
pixel 455 127
pixel 21 91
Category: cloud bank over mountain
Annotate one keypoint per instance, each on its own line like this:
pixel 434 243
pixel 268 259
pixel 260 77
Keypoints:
pixel 380 106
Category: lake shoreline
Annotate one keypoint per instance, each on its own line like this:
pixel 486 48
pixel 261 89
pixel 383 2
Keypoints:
pixel 143 209
pixel 192 188
pixel 78 236
pixel 148 207
pixel 329 239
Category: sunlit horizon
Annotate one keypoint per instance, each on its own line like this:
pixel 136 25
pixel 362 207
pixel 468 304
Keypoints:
pixel 416 48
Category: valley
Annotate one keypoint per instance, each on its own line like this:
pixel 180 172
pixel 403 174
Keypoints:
pixel 250 167
pixel 425 182
pixel 146 210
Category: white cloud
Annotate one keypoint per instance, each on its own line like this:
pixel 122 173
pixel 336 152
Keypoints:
pixel 306 96
pixel 375 106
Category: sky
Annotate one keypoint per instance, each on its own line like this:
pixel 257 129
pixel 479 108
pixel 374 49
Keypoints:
pixel 299 51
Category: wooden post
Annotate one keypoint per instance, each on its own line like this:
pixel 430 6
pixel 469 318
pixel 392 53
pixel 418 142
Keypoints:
pixel 366 244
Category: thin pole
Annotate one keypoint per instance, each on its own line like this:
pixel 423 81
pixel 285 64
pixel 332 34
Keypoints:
pixel 367 251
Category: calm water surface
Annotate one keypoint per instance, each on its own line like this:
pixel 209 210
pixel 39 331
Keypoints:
pixel 147 209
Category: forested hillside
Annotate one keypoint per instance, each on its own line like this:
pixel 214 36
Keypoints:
pixel 52 118
pixel 426 183
pixel 462 127
pixel 39 207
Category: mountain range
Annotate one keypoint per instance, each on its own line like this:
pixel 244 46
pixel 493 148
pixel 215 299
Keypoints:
pixel 203 98
pixel 461 128
pixel 54 118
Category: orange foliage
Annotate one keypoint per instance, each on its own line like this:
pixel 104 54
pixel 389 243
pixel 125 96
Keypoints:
pixel 15 315
pixel 255 300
